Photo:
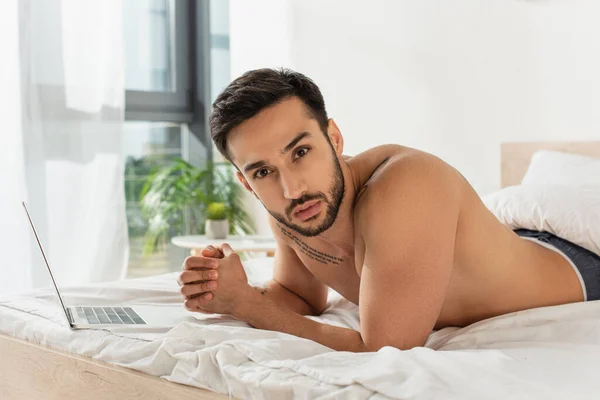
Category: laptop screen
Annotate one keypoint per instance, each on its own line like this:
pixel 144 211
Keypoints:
pixel 37 238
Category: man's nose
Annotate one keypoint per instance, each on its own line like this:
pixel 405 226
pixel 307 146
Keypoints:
pixel 293 188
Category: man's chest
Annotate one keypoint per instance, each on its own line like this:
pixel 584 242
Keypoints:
pixel 332 265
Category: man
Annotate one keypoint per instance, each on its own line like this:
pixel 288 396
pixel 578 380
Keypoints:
pixel 395 230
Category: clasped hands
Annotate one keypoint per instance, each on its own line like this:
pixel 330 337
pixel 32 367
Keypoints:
pixel 214 281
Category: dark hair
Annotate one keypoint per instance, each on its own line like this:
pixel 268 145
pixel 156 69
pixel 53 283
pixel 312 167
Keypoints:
pixel 259 89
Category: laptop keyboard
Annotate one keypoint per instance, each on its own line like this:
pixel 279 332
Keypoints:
pixel 109 315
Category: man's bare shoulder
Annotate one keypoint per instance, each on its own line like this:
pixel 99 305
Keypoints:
pixel 363 165
pixel 405 178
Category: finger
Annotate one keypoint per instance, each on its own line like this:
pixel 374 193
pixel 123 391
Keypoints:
pixel 193 276
pixel 212 251
pixel 192 289
pixel 200 262
pixel 227 250
pixel 193 304
pixel 199 310
pixel 206 252
pixel 205 299
pixel 195 296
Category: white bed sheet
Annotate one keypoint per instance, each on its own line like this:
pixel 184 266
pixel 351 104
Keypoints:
pixel 545 353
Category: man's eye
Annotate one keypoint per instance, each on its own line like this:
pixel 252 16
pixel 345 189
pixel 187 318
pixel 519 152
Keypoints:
pixel 260 174
pixel 302 152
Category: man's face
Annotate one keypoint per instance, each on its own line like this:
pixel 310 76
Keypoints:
pixel 287 161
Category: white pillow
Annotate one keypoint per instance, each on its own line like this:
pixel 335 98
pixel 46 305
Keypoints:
pixel 571 212
pixel 554 167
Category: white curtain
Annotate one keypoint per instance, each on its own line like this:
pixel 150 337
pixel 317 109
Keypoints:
pixel 62 151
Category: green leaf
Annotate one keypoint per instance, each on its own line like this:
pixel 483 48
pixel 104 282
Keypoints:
pixel 176 199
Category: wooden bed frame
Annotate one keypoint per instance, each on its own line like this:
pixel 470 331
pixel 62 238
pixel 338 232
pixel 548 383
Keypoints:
pixel 31 371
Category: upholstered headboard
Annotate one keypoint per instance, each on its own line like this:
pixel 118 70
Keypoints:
pixel 515 157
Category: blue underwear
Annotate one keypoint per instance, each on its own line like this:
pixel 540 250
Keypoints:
pixel 585 263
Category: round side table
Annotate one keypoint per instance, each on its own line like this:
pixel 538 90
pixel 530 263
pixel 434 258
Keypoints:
pixel 249 243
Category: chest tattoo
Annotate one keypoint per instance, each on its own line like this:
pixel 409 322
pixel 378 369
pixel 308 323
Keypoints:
pixel 310 251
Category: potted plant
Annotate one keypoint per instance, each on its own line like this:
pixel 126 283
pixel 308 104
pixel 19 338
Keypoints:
pixel 216 224
pixel 175 201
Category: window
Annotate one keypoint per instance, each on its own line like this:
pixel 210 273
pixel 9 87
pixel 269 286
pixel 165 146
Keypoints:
pixel 149 45
pixel 168 62
pixel 159 59
pixel 147 145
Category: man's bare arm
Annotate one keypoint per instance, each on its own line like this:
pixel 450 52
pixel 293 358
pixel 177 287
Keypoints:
pixel 280 295
pixel 269 310
pixel 264 313
pixel 293 285
pixel 409 237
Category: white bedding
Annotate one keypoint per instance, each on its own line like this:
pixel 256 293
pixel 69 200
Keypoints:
pixel 545 353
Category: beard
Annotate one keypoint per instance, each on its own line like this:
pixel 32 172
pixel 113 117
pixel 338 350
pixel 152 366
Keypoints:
pixel 333 203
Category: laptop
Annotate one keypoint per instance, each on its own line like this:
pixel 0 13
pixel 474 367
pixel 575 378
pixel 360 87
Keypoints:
pixel 102 317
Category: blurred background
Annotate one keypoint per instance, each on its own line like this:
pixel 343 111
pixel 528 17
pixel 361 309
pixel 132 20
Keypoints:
pixel 104 107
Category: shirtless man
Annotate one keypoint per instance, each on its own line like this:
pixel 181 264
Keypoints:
pixel 395 230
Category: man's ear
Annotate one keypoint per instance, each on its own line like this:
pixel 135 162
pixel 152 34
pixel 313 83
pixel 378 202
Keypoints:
pixel 335 136
pixel 243 181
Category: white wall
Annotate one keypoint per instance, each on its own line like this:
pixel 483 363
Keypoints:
pixel 452 78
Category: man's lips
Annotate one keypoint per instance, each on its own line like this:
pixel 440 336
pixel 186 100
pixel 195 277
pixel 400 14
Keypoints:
pixel 305 206
pixel 308 210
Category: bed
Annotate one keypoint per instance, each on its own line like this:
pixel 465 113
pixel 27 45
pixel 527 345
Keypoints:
pixel 550 352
